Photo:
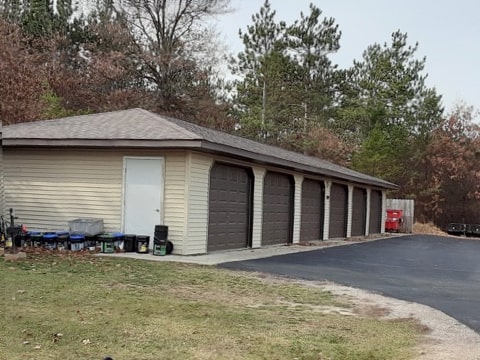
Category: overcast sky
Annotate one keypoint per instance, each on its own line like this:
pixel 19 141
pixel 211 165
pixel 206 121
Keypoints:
pixel 448 33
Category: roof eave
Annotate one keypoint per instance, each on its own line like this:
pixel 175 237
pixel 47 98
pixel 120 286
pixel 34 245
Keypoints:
pixel 101 143
pixel 265 159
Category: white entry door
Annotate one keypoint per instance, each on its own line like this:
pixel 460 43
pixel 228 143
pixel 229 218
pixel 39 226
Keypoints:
pixel 143 195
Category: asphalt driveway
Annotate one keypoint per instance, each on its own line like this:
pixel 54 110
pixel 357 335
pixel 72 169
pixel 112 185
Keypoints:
pixel 440 272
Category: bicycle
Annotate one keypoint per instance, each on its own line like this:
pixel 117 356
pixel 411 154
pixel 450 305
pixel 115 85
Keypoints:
pixel 9 232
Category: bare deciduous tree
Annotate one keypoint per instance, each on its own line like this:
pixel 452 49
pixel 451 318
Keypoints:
pixel 170 38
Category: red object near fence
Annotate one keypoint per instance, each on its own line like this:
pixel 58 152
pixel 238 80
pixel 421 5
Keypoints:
pixel 394 220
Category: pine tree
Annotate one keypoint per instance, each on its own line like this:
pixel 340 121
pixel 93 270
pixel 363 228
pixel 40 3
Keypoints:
pixel 311 40
pixel 388 99
pixel 286 76
pixel 260 65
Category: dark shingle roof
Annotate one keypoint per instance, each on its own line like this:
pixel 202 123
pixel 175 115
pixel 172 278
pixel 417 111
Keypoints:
pixel 134 125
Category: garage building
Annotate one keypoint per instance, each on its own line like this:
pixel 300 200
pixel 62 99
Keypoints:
pixel 215 191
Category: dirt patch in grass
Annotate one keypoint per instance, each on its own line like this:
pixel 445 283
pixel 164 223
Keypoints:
pixel 442 337
pixel 372 310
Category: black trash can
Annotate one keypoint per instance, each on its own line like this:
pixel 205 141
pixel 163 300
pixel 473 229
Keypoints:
pixel 160 240
pixel 90 242
pixel 142 244
pixel 18 240
pixel 36 238
pixel 106 241
pixel 77 242
pixel 130 243
pixel 118 241
pixel 22 239
pixel 50 240
pixel 63 240
pixel 161 231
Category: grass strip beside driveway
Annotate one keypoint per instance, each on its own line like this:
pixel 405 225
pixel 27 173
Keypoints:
pixel 62 307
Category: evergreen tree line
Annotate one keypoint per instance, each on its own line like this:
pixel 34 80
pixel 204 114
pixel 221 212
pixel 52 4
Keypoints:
pixel 60 58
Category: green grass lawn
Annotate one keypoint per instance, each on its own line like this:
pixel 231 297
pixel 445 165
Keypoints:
pixel 88 307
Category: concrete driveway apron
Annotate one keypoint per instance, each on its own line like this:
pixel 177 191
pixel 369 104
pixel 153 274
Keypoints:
pixel 441 272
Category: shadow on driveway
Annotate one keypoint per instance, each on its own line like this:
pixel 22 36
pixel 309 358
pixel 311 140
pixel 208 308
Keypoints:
pixel 440 272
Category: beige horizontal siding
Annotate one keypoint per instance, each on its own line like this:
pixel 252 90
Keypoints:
pixel 175 200
pixel 198 188
pixel 49 188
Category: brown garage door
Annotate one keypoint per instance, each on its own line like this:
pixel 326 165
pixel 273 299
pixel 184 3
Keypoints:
pixel 375 212
pixel 338 211
pixel 277 208
pixel 311 227
pixel 359 212
pixel 229 208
